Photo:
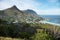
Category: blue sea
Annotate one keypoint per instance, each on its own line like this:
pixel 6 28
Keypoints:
pixel 52 18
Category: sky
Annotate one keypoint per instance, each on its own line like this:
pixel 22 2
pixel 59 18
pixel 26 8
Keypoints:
pixel 41 7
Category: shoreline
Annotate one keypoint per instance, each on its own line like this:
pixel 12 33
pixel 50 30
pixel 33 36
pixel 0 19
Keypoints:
pixel 45 22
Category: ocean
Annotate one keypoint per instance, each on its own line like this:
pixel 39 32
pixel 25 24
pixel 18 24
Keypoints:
pixel 52 18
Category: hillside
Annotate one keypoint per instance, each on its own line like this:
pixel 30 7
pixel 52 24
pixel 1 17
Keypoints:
pixel 28 31
pixel 18 24
pixel 14 14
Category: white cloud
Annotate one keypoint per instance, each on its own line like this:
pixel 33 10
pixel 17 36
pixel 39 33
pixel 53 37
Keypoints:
pixel 29 4
pixel 49 12
pixel 21 4
pixel 4 5
pixel 26 4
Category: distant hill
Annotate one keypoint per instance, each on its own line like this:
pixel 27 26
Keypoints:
pixel 30 11
pixel 13 14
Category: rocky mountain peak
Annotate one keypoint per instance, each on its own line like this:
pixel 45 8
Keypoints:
pixel 14 7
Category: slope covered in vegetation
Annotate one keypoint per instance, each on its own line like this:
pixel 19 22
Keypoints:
pixel 27 31
pixel 25 25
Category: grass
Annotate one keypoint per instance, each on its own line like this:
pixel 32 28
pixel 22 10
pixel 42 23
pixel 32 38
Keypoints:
pixel 54 30
pixel 8 38
pixel 42 33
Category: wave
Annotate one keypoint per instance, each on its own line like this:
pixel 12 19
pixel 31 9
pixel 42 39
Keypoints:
pixel 46 22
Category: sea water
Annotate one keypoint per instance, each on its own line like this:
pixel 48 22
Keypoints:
pixel 52 18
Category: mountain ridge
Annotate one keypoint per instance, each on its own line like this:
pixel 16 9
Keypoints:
pixel 13 14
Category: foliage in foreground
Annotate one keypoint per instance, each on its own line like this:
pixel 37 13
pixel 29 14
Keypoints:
pixel 26 31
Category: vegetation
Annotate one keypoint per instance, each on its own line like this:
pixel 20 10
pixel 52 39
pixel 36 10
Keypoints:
pixel 14 14
pixel 24 25
pixel 28 31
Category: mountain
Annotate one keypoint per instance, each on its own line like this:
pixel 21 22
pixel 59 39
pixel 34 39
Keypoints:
pixel 13 14
pixel 30 11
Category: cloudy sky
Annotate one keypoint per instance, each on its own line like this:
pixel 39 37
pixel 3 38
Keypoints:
pixel 42 7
